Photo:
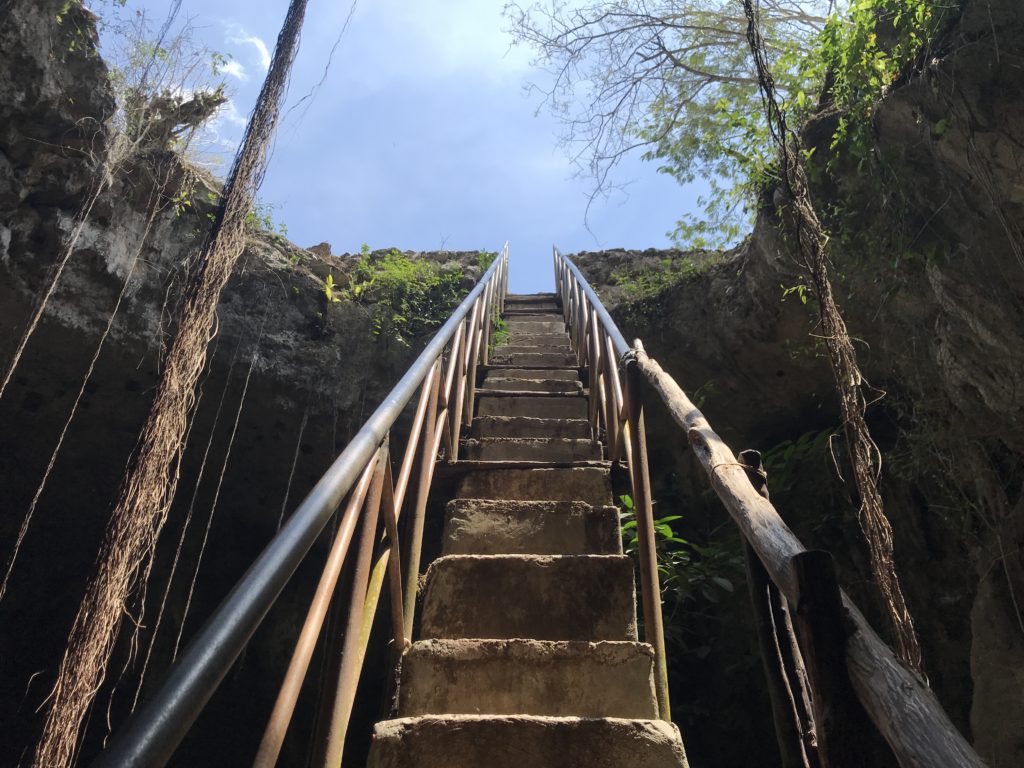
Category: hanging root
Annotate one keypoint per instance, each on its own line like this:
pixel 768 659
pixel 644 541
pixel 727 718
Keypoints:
pixel 148 489
pixel 216 493
pixel 865 457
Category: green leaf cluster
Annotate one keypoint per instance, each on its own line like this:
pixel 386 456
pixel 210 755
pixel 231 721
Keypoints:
pixel 689 573
pixel 408 298
pixel 866 50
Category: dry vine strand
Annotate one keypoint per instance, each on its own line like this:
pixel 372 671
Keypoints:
pixel 148 488
pixel 865 457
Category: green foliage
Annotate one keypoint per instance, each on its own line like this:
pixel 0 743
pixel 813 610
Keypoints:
pixel 262 217
pixel 484 259
pixel 690 574
pixel 500 334
pixel 409 297
pixel 866 51
pixel 650 281
pixel 801 291
pixel 330 290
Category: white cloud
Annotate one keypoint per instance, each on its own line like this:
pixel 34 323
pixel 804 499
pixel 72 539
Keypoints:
pixel 229 112
pixel 235 70
pixel 239 36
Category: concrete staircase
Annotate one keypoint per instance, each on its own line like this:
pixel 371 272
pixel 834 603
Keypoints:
pixel 528 656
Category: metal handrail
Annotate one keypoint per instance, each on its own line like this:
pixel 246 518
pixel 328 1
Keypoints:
pixel 616 410
pixel 151 735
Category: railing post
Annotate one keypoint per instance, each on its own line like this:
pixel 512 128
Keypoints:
pixel 783 668
pixel 654 630
pixel 340 709
pixel 842 725
pixel 427 456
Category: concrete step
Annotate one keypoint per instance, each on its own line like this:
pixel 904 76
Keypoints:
pixel 533 349
pixel 472 741
pixel 551 449
pixel 528 677
pixel 561 374
pixel 535 325
pixel 538 339
pixel 541 597
pixel 524 426
pixel 526 298
pixel 588 484
pixel 560 386
pixel 498 527
pixel 534 359
pixel 533 308
pixel 538 405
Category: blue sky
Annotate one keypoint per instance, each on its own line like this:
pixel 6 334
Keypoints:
pixel 423 135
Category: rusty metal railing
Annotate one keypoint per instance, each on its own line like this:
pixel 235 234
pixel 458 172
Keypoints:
pixel 617 415
pixel 444 375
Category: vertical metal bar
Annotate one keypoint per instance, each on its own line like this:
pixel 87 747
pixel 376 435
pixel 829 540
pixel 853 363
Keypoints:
pixel 615 450
pixel 288 695
pixel 593 361
pixel 410 446
pixel 348 673
pixel 474 356
pixel 654 630
pixel 460 386
pixel 428 453
pixel 390 509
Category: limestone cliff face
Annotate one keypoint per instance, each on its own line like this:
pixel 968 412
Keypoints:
pixel 298 372
pixel 928 262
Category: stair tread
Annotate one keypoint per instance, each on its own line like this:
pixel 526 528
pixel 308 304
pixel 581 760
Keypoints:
pixel 514 741
pixel 534 677
pixel 542 597
pixel 500 527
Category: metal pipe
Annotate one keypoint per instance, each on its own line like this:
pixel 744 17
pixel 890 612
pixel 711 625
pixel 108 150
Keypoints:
pixel 621 347
pixel 395 564
pixel 348 673
pixel 428 453
pixel 654 629
pixel 151 735
pixel 288 695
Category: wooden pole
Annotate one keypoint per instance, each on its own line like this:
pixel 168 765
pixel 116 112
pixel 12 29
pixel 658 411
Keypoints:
pixel 900 705
pixel 843 729
pixel 790 726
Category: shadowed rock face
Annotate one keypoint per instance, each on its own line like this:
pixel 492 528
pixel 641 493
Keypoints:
pixel 927 255
pixel 317 372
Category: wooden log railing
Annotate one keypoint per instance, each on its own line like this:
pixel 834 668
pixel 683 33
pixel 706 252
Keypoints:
pixel 901 706
pixel 844 658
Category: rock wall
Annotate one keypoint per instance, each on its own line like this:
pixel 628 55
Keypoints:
pixel 927 251
pixel 291 377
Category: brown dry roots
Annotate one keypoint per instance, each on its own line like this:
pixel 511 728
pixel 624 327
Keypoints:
pixel 864 454
pixel 148 488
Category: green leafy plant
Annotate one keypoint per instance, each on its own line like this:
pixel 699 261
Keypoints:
pixel 689 573
pixel 484 259
pixel 409 297
pixel 330 290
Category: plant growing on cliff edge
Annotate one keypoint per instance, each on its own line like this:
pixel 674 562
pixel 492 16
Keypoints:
pixel 409 297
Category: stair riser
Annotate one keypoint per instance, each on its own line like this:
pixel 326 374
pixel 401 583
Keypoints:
pixel 535 359
pixel 520 742
pixel 538 339
pixel 524 677
pixel 533 349
pixel 488 527
pixel 534 385
pixel 542 598
pixel 539 449
pixel 538 407
pixel 557 374
pixel 518 426
pixel 590 485
pixel 534 327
